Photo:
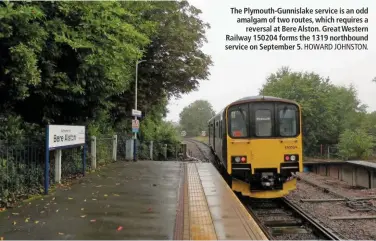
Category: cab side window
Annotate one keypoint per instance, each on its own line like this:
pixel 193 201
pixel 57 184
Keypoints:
pixel 238 122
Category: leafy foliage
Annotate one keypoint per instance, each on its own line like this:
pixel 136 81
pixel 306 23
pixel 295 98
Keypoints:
pixel 328 110
pixel 74 63
pixel 369 123
pixel 194 118
pixel 174 60
pixel 85 53
pixel 356 144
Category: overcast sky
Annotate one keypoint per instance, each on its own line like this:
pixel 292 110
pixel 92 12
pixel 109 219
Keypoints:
pixel 236 74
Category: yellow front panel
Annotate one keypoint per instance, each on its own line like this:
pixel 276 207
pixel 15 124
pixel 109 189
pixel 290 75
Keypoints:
pixel 264 153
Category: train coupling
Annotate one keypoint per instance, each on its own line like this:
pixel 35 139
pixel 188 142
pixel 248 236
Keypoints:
pixel 267 179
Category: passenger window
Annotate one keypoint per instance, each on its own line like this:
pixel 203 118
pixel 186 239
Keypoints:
pixel 288 121
pixel 238 122
pixel 263 123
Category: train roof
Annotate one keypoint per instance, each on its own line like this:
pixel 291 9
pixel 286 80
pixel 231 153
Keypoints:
pixel 254 98
pixel 259 97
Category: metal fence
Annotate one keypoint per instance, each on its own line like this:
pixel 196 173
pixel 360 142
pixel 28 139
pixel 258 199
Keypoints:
pixel 146 150
pixel 22 164
pixel 71 163
pixel 104 150
pixel 21 169
pixel 326 151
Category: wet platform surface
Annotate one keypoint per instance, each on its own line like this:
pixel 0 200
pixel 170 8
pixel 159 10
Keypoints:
pixel 122 201
pixel 214 210
pixel 142 200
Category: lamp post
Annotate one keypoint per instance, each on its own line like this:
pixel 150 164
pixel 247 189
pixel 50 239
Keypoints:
pixel 135 107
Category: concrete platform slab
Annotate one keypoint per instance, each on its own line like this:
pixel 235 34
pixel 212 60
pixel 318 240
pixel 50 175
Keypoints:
pixel 125 200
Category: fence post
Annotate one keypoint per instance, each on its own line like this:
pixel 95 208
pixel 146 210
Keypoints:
pixel 58 166
pixel 114 147
pixel 151 150
pixel 165 151
pixel 93 152
pixel 328 152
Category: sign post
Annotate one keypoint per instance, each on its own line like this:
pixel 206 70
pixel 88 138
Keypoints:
pixel 136 113
pixel 135 128
pixel 60 137
pixel 135 125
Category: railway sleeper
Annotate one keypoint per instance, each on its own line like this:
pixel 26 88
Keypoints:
pixel 283 223
pixel 288 230
pixel 274 213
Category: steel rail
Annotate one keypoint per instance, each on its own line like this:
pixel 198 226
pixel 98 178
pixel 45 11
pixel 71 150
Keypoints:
pixel 328 233
pixel 196 143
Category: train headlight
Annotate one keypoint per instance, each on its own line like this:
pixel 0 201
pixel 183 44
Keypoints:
pixel 291 157
pixel 239 159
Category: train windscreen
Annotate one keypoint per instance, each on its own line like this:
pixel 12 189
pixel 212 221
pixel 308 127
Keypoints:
pixel 263 120
pixel 239 121
pixel 288 120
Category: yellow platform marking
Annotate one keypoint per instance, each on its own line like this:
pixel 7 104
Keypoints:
pixel 186 206
pixel 254 230
pixel 200 221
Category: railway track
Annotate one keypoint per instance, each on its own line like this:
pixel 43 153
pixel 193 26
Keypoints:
pixel 281 219
pixel 197 145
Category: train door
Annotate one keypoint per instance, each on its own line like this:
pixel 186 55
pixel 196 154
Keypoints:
pixel 262 120
pixel 264 144
pixel 214 131
pixel 219 139
pixel 211 134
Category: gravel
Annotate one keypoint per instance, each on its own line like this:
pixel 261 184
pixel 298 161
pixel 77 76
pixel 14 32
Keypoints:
pixel 362 229
pixel 199 150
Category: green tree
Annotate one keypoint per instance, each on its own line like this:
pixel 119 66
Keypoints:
pixel 67 62
pixel 194 118
pixel 327 110
pixel 355 144
pixel 174 59
pixel 62 60
pixel 369 123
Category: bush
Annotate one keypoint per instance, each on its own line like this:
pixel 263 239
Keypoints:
pixel 355 144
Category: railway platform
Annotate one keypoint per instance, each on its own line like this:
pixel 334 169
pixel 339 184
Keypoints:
pixel 355 173
pixel 142 200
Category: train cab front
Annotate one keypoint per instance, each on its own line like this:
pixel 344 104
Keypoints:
pixel 265 182
pixel 264 147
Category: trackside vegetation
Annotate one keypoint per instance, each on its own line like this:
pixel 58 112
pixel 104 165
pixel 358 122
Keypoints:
pixel 74 63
